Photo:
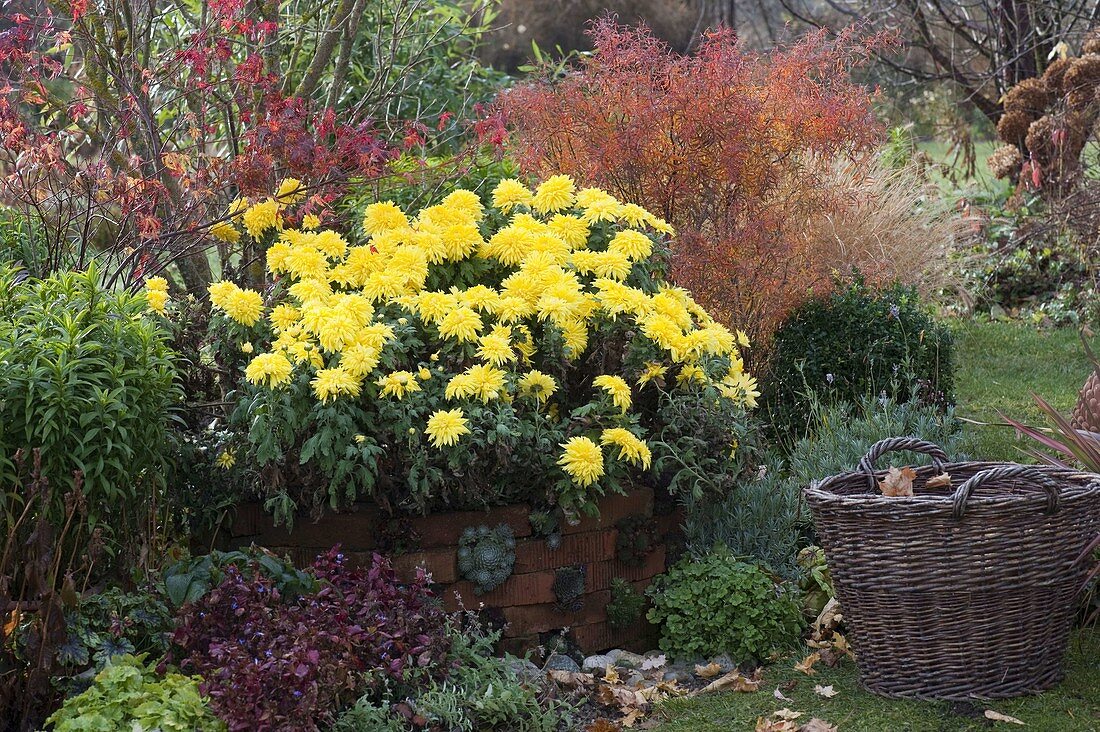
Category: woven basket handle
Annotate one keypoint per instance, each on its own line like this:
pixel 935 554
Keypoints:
pixel 1048 484
pixel 893 444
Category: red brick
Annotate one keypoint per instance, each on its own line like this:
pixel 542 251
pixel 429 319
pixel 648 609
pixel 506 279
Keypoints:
pixel 517 646
pixel 441 563
pixel 526 619
pixel 445 529
pixel 532 588
pixel 614 508
pixel 353 531
pixel 533 555
pixel 669 522
pixel 247 519
pixel 598 637
pixel 300 557
pixel 600 574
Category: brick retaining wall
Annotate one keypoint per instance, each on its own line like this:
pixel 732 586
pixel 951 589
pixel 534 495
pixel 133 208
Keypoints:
pixel 526 599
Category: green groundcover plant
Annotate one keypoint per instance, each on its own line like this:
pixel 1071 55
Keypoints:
pixel 129 695
pixel 717 604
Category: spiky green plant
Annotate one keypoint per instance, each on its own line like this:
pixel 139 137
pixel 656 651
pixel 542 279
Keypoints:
pixel 569 587
pixel 487 556
pixel 1066 445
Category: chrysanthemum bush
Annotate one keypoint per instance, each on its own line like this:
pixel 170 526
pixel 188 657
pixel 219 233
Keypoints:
pixel 471 354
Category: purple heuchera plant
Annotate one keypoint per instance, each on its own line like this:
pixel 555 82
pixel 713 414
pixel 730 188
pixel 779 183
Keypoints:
pixel 271 662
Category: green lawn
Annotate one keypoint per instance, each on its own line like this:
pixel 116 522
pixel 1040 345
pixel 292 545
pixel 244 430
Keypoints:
pixel 998 366
pixel 1073 705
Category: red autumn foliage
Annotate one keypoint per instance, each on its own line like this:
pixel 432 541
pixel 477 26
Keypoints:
pixel 128 148
pixel 729 146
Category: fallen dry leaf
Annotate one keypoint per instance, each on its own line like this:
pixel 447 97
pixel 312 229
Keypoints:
pixel 898 483
pixel 603 725
pixel 654 662
pixel 806 665
pixel 817 725
pixel 733 681
pixel 780 695
pixel 610 675
pixel 775 725
pixel 705 672
pixel 570 678
pixel 943 480
pixel 826 691
pixel 998 717
pixel 787 714
pixel 632 716
pixel 620 696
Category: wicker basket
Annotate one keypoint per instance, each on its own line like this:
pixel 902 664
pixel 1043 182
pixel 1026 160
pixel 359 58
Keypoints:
pixel 958 592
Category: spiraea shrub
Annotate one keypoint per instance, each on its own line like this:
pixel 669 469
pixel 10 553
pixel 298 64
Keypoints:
pixel 736 149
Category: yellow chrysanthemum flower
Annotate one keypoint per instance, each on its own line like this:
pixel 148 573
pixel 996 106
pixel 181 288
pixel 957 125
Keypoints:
pixel 613 264
pixel 424 373
pixel 510 246
pixel 310 290
pixel 434 306
pixel 290 191
pixel 460 386
pixel 246 347
pixel 270 369
pixel 157 300
pixel 570 229
pixel 487 382
pixel 480 297
pixel 359 360
pixel 634 215
pixel 243 306
pixel 631 448
pixel 554 194
pixel 311 222
pixel 462 324
pixel 237 207
pixel 598 205
pixel 383 216
pixel 305 262
pixel 496 348
pixel 575 335
pixel 582 459
pixel 741 388
pixel 398 384
pixel 330 383
pixel 691 373
pixel 226 460
pixel 510 193
pixel 445 427
pixel 261 217
pixel 465 201
pixel 156 284
pixel 617 388
pixel 225 231
pixel 283 316
pixel 633 244
pixel 538 386
pixel 652 371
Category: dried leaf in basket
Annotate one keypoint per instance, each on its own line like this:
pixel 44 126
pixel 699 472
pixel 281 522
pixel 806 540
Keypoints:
pixel 943 480
pixel 898 482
